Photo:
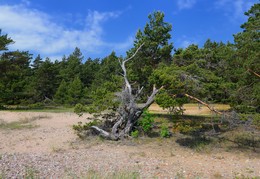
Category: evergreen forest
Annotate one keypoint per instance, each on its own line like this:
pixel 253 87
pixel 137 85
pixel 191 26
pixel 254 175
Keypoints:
pixel 217 72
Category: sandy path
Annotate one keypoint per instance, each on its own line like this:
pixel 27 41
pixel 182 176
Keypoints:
pixel 53 150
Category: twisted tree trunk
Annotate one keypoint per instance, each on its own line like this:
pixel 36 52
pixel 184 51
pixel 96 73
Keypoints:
pixel 128 112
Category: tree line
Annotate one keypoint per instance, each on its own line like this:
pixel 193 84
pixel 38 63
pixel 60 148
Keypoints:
pixel 217 72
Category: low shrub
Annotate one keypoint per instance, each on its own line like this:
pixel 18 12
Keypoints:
pixel 146 122
pixel 135 134
pixel 165 131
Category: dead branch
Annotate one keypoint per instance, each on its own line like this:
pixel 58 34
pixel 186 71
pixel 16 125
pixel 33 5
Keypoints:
pixel 127 84
pixel 203 103
pixel 134 53
pixel 150 99
pixel 101 131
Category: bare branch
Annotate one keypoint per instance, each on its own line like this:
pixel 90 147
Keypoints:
pixel 203 103
pixel 150 99
pixel 128 86
pixel 124 61
pixel 139 92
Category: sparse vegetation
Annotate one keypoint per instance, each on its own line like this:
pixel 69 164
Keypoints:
pixel 16 125
pixel 31 173
pixel 135 134
pixel 22 123
pixel 165 131
pixel 116 175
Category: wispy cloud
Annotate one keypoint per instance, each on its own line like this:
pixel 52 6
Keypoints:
pixel 185 4
pixel 184 41
pixel 26 2
pixel 37 31
pixel 234 9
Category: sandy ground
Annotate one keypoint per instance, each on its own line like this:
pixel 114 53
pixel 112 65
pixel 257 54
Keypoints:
pixel 50 149
pixel 49 131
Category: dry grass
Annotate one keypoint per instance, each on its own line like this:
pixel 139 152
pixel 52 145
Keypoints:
pixel 192 109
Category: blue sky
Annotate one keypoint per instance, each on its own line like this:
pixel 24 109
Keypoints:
pixel 54 28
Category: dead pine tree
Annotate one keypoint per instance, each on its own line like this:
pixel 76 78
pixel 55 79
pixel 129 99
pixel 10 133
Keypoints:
pixel 128 112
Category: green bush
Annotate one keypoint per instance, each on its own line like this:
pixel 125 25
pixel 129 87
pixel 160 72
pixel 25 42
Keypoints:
pixel 146 122
pixel 165 131
pixel 135 134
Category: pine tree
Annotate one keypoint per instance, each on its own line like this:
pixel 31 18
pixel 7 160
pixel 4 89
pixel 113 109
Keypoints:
pixel 61 95
pixel 75 91
pixel 156 49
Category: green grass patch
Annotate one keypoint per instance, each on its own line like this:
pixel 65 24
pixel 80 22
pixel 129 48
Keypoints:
pixel 21 124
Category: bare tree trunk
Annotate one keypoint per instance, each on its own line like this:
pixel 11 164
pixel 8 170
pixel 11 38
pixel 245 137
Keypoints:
pixel 128 112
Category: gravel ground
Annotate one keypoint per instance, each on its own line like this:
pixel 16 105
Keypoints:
pixel 52 150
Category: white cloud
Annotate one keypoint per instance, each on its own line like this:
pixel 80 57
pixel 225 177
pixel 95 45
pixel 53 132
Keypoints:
pixel 38 32
pixel 234 9
pixel 185 4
